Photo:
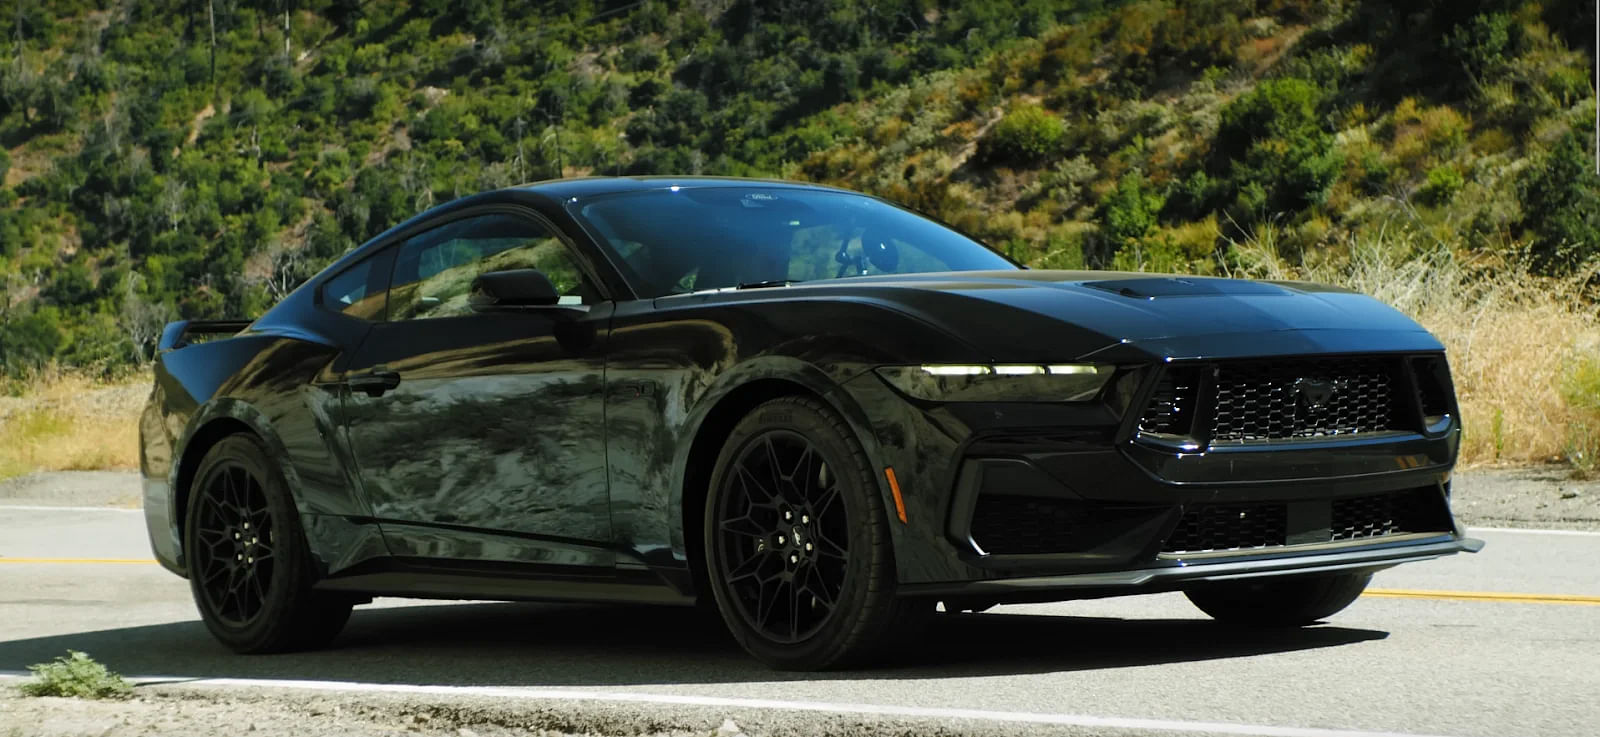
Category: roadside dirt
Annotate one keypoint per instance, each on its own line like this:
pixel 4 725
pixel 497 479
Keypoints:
pixel 73 489
pixel 186 711
pixel 1542 496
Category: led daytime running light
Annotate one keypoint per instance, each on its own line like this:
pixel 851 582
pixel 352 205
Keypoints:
pixel 1008 369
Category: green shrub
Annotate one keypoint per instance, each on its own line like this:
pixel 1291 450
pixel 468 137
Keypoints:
pixel 76 675
pixel 1443 184
pixel 1128 213
pixel 1027 134
pixel 1484 45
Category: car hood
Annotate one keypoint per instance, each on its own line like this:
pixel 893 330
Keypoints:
pixel 1053 315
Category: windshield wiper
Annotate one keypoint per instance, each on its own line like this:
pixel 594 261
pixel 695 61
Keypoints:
pixel 768 283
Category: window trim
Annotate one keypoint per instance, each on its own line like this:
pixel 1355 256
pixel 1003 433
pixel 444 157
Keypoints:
pixel 392 248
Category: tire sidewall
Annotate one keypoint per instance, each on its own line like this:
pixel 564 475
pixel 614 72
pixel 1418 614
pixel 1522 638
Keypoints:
pixel 857 490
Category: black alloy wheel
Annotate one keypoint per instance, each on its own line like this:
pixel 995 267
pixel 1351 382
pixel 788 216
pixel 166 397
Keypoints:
pixel 783 537
pixel 797 543
pixel 248 564
pixel 233 562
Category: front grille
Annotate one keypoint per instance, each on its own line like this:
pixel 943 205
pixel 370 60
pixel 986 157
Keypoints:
pixel 1222 527
pixel 1229 527
pixel 1276 400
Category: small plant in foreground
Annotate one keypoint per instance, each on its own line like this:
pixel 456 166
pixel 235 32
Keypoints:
pixel 76 675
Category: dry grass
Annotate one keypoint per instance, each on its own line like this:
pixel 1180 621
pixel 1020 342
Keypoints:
pixel 1522 349
pixel 69 422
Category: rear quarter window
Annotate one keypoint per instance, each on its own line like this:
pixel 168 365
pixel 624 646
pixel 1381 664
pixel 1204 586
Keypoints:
pixel 351 292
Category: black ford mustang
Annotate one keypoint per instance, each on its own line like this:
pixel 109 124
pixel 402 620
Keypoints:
pixel 814 410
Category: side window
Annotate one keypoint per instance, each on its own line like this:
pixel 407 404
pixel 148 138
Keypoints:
pixel 351 292
pixel 433 271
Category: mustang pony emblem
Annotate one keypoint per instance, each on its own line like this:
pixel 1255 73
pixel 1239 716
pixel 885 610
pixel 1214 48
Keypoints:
pixel 1314 393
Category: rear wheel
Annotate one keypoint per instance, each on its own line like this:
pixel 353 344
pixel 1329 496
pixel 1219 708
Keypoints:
pixel 1285 602
pixel 797 542
pixel 249 568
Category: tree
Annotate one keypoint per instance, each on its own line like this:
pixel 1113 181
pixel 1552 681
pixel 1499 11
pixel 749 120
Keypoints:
pixel 1274 148
pixel 1561 209
pixel 141 319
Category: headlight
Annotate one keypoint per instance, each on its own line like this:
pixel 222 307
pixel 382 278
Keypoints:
pixel 1070 382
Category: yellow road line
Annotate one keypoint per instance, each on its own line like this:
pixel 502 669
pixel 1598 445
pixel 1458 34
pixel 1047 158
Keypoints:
pixel 97 561
pixel 1485 596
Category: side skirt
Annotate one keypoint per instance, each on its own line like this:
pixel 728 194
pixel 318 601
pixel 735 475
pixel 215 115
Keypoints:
pixel 427 579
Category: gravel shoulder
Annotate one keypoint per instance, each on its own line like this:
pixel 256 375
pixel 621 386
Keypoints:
pixel 1539 496
pixel 73 489
pixel 185 711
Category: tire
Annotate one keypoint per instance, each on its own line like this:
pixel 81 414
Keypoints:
pixel 1285 602
pixel 772 577
pixel 250 570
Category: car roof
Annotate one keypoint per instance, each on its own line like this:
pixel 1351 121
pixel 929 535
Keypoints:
pixel 583 187
pixel 556 191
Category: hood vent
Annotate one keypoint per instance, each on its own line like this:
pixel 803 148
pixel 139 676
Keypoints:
pixel 1153 287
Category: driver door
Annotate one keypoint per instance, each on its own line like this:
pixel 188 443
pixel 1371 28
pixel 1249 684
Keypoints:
pixel 478 436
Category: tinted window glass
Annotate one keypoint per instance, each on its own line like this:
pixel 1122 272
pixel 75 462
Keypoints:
pixel 350 292
pixel 714 237
pixel 433 271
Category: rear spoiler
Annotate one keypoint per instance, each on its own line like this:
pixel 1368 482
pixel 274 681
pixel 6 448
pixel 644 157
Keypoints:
pixel 176 334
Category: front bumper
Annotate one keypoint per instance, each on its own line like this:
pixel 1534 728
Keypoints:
pixel 1020 501
pixel 1175 573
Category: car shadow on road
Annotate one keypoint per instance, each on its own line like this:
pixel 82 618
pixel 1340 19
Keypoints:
pixel 574 645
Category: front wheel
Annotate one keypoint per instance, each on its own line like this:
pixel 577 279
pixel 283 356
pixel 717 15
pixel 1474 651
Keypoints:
pixel 796 540
pixel 248 564
pixel 1286 602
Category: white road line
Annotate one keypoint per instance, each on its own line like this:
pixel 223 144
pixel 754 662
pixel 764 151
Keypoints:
pixel 1533 531
pixel 914 712
pixel 45 508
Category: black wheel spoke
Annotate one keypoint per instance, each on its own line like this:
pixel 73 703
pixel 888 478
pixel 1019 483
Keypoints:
pixel 750 568
pixel 794 609
pixel 818 588
pixel 774 468
pixel 743 526
pixel 753 486
pixel 825 500
pixel 767 601
pixel 826 546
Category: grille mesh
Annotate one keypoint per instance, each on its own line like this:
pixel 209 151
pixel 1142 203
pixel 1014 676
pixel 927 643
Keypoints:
pixel 1229 527
pixel 1365 516
pixel 1274 400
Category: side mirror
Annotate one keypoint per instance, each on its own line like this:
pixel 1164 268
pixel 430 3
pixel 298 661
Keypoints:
pixel 511 289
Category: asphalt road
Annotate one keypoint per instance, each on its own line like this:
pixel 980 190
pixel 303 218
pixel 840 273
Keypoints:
pixel 1429 657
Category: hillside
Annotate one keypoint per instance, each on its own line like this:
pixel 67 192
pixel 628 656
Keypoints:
pixel 198 158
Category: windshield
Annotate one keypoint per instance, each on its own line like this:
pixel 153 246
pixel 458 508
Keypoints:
pixel 671 241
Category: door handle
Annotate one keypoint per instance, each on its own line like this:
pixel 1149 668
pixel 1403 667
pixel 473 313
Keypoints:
pixel 375 382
